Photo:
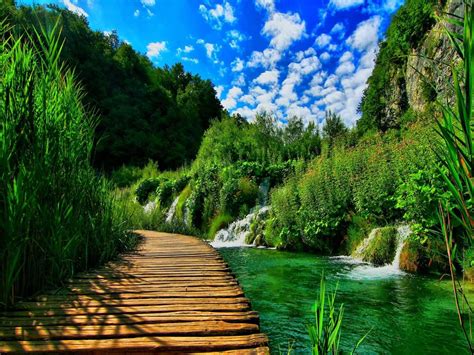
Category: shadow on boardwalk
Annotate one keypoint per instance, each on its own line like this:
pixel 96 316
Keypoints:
pixel 175 294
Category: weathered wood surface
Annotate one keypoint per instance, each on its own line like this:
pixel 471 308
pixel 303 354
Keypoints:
pixel 174 295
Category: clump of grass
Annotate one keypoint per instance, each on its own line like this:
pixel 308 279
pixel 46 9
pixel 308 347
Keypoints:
pixel 456 154
pixel 325 332
pixel 56 214
pixel 219 222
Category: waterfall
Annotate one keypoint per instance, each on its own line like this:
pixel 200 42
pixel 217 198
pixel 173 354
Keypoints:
pixel 171 212
pixel 263 192
pixel 403 232
pixel 363 271
pixel 234 235
pixel 149 207
pixel 360 251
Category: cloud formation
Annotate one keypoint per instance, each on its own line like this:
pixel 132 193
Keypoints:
pixel 154 49
pixel 218 15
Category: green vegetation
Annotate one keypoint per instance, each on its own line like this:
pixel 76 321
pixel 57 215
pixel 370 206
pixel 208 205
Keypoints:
pixel 456 154
pixel 56 216
pixel 325 332
pixel 355 186
pixel 144 112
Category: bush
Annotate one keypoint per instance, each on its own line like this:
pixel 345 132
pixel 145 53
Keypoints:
pixel 146 188
pixel 359 228
pixel 238 195
pixel 282 231
pixel 134 215
pixel 381 250
pixel 219 222
pixel 126 176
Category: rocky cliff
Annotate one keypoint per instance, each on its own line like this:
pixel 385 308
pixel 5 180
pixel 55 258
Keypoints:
pixel 413 66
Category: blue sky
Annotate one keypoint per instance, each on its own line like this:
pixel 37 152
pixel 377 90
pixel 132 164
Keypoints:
pixel 289 57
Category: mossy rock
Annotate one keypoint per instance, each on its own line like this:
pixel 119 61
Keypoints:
pixel 428 257
pixel 382 249
pixel 256 234
pixel 410 256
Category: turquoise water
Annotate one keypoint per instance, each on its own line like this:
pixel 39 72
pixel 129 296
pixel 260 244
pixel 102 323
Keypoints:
pixel 409 314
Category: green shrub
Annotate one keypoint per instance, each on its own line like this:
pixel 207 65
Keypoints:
pixel 125 176
pixel 219 222
pixel 381 250
pixel 325 200
pixel 146 188
pixel 204 198
pixel 282 231
pixel 164 192
pixel 359 228
pixel 133 214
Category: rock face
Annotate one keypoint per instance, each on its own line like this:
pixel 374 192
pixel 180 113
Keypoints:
pixel 415 84
pixel 427 63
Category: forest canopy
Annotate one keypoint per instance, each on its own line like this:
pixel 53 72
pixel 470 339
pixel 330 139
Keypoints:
pixel 143 112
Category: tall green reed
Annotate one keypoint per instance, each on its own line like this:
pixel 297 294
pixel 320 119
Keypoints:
pixel 456 154
pixel 56 215
pixel 325 332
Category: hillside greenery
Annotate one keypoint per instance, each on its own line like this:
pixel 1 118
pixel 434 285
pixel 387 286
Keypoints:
pixel 144 112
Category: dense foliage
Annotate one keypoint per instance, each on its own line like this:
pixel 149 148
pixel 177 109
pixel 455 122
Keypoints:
pixel 379 180
pixel 56 215
pixel 145 112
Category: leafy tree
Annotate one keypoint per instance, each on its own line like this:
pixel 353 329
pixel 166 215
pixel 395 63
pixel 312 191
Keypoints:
pixel 333 128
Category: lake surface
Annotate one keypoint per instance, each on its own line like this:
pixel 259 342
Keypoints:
pixel 409 314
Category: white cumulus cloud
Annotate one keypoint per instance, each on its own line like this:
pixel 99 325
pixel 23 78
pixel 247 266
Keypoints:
pixel 345 4
pixel 269 77
pixel 284 29
pixel 267 59
pixel 154 49
pixel 217 16
pixel 322 40
pixel 365 35
pixel 237 65
pixel 232 96
pixel 74 8
pixel 148 2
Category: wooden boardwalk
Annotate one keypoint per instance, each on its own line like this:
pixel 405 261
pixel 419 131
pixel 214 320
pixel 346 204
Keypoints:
pixel 175 295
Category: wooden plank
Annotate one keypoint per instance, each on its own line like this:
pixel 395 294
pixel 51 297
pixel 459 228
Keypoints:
pixel 138 318
pixel 127 302
pixel 202 328
pixel 151 343
pixel 236 292
pixel 128 310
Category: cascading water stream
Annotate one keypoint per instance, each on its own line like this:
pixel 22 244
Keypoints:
pixel 172 211
pixel 369 271
pixel 149 207
pixel 234 235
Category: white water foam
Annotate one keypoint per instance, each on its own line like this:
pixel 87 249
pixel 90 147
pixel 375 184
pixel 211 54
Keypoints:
pixel 171 212
pixel 234 235
pixel 366 271
pixel 149 207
